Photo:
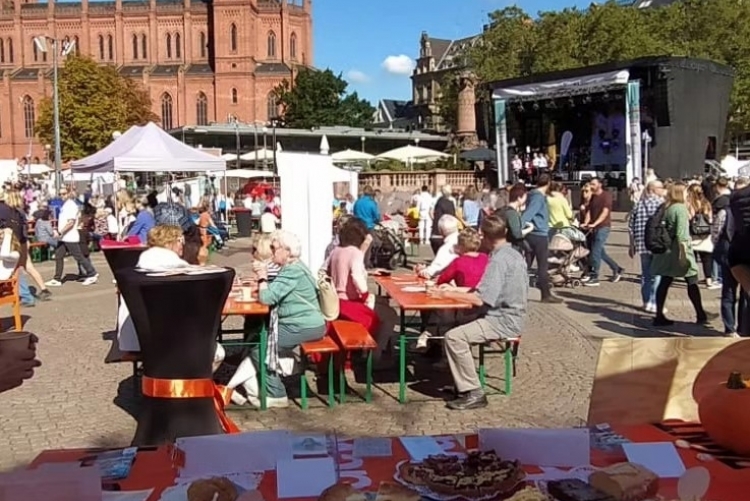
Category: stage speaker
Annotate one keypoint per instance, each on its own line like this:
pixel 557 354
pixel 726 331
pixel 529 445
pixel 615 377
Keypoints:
pixel 662 100
pixel 485 121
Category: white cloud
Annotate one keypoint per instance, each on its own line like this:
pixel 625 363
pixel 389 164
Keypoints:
pixel 398 65
pixel 357 77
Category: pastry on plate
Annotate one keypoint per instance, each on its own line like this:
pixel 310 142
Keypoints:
pixel 626 482
pixel 529 494
pixel 476 475
pixel 212 489
pixel 574 489
pixel 342 492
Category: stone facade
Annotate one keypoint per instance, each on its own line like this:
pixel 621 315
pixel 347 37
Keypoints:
pixel 201 61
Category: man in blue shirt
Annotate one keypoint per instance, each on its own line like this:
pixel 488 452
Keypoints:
pixel 537 213
pixel 366 209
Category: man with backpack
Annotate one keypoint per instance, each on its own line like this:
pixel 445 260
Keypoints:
pixel 644 209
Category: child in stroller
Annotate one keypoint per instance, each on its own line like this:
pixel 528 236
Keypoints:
pixel 567 248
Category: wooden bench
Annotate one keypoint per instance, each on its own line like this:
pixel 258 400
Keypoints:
pixel 351 336
pixel 36 250
pixel 324 347
pixel 509 349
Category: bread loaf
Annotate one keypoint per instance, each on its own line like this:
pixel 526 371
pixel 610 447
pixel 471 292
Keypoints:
pixel 626 482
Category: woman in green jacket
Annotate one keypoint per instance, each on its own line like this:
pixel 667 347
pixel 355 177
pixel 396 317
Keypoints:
pixel 679 260
pixel 294 296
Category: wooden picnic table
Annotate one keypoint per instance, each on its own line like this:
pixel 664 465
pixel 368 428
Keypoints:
pixel 408 300
pixel 233 307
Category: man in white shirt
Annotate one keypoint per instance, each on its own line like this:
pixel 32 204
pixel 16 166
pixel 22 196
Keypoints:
pixel 448 226
pixel 268 221
pixel 425 203
pixel 67 226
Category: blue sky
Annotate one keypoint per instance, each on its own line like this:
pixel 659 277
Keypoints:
pixel 373 42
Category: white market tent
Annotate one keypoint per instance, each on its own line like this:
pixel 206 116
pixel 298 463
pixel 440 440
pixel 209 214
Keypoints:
pixel 148 148
pixel 351 156
pixel 306 194
pixel 34 169
pixel 244 174
pixel 412 153
pixel 263 154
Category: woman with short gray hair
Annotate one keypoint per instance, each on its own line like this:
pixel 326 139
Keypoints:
pixel 449 226
pixel 443 206
pixel 295 311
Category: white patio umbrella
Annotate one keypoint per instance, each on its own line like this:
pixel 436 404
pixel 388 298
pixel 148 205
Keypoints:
pixel 324 145
pixel 244 174
pixel 411 153
pixel 351 156
pixel 229 157
pixel 262 154
pixel 35 169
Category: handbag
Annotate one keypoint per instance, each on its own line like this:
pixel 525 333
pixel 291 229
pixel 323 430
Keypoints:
pixel 328 297
pixel 699 226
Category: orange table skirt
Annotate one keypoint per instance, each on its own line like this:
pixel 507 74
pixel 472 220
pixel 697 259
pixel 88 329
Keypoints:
pixel 153 468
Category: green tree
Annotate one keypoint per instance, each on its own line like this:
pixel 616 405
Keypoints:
pixel 95 100
pixel 319 98
pixel 447 101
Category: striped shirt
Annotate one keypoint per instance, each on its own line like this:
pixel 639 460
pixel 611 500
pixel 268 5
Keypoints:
pixel 644 209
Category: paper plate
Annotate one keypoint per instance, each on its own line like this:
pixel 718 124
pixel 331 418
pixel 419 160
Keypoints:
pixel 412 288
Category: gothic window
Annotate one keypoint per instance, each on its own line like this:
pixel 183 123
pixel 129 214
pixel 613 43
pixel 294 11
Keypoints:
pixel 29 116
pixel 166 111
pixel 144 47
pixel 2 51
pixel 101 48
pixel 44 57
pixel 201 109
pixel 77 46
pixel 203 44
pixel 10 50
pixel 135 46
pixel 271 45
pixel 293 46
pixel 35 49
pixel 169 46
pixel 177 46
pixel 235 99
pixel 111 47
pixel 233 38
pixel 272 108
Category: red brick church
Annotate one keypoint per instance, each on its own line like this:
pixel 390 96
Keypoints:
pixel 201 61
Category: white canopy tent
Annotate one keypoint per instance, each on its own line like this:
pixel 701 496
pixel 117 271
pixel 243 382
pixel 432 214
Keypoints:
pixel 34 169
pixel 263 154
pixel 410 153
pixel 351 156
pixel 306 194
pixel 244 174
pixel 148 149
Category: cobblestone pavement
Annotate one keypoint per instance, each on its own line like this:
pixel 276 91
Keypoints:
pixel 77 400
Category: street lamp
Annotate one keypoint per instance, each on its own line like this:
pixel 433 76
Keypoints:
pixel 63 47
pixel 265 146
pixel 362 140
pixel 274 123
pixel 47 148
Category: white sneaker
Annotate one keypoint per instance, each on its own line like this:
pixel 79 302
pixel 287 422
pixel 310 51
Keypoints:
pixel 422 340
pixel 53 283
pixel 271 402
pixel 237 398
pixel 91 280
pixel 715 286
pixel 650 308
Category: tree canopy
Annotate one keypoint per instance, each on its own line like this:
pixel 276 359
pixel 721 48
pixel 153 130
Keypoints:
pixel 517 44
pixel 319 98
pixel 95 101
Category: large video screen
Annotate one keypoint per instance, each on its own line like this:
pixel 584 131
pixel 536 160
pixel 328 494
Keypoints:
pixel 608 138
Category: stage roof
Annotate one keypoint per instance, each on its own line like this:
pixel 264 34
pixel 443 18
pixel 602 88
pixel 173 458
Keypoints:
pixel 644 62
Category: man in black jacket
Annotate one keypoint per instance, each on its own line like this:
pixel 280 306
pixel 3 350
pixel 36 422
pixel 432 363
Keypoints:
pixel 738 231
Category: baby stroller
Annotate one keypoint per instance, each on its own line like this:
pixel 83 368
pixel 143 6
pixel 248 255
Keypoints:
pixel 391 249
pixel 566 248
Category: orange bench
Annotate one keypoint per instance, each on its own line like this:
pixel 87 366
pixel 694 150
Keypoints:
pixel 352 336
pixel 324 347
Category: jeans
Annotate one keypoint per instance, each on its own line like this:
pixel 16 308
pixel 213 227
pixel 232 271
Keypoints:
pixel 538 249
pixel 287 339
pixel 731 309
pixel 24 292
pixel 649 282
pixel 84 263
pixel 599 253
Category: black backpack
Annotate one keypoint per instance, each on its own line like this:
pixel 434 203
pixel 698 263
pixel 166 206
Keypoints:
pixel 657 238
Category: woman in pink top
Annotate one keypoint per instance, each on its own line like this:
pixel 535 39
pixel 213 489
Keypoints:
pixel 464 272
pixel 346 266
